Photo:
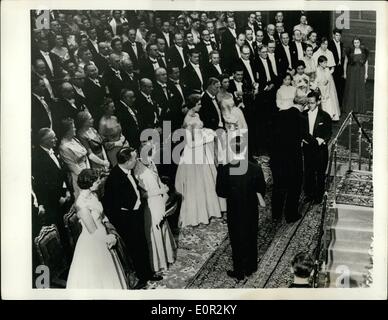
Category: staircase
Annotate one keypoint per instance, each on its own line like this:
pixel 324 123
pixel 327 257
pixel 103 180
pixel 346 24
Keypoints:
pixel 351 231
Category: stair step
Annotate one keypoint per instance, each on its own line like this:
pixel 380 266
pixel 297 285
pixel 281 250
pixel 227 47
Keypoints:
pixel 350 251
pixel 350 212
pixel 345 234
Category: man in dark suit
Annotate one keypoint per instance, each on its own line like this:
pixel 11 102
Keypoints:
pixel 134 49
pixel 51 185
pixel 175 54
pixel 316 138
pixel 274 61
pixel 162 95
pixel 252 45
pixel 67 106
pixel 298 47
pixel 93 42
pixel 259 39
pixel 336 46
pixel 232 54
pixel 95 90
pixel 189 44
pixel 101 60
pixel 214 36
pixel 286 164
pixel 113 78
pixel 166 34
pixel 41 113
pixel 193 75
pixel 210 112
pixel 40 71
pixel 214 68
pixel 251 24
pixel 147 109
pixel 51 60
pixel 161 44
pixel 270 34
pixel 248 66
pixel 130 78
pixel 205 46
pixel 179 94
pixel 279 26
pixel 123 206
pixel 149 65
pixel 228 38
pixel 242 189
pixel 78 83
pixel 286 57
pixel 127 114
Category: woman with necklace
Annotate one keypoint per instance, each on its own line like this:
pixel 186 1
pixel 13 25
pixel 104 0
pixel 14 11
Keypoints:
pixel 161 244
pixel 73 153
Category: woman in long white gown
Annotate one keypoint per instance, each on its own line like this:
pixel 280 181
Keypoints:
pixel 196 174
pixel 162 247
pixel 95 263
pixel 325 82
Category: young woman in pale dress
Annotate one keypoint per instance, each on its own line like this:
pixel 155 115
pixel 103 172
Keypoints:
pixel 301 82
pixel 228 108
pixel 95 263
pixel 286 93
pixel 196 175
pixel 311 66
pixel 92 141
pixel 325 82
pixel 161 244
pixel 73 153
pixel 111 132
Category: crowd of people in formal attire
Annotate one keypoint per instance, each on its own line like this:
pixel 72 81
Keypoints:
pixel 102 78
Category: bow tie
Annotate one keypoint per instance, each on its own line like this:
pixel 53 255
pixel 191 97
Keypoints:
pixel 207 43
pixel 163 85
pixel 117 72
pixel 133 44
pixel 161 54
pixel 96 81
pixel 131 74
pixel 42 99
pixel 175 81
pixel 45 53
pixel 154 61
pixel 71 101
pixel 51 152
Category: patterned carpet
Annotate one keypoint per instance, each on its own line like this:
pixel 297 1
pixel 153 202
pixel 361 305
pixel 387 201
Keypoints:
pixel 356 188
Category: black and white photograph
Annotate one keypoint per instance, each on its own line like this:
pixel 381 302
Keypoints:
pixel 177 148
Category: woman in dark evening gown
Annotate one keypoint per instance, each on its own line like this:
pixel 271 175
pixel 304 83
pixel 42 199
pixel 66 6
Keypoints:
pixel 355 73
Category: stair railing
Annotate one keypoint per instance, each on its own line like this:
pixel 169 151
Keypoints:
pixel 322 246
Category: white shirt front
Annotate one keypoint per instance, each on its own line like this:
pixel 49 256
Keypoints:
pixel 312 115
pixel 271 57
pixel 132 180
pixel 250 43
pixel 233 32
pixel 338 46
pixel 155 63
pixel 217 66
pixel 299 49
pixel 131 112
pixel 95 44
pixel 134 48
pixel 267 73
pixel 238 85
pixel 249 68
pixel 208 46
pixel 167 37
pixel 198 71
pixel 217 109
pixel 288 54
pixel 50 152
pixel 46 107
pixel 237 48
pixel 180 50
pixel 46 56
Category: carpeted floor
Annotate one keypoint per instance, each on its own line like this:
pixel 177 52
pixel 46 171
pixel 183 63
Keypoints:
pixel 204 252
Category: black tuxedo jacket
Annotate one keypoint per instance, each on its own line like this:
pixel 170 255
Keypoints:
pixel 176 102
pixel 322 129
pixel 266 38
pixel 170 38
pixel 147 69
pixel 230 56
pixel 174 58
pixel 131 82
pixel 208 113
pixel 148 113
pixel 114 83
pixel 263 81
pixel 191 80
pixel 246 76
pixel 55 61
pixel 63 109
pixel 127 47
pixel 49 179
pixel 253 49
pixel 211 71
pixel 101 63
pixel 282 58
pixel 162 101
pixel 332 47
pixel 39 117
pixel 201 47
pixel 295 51
pixel 130 125
pixel 92 49
pixel 227 39
pixel 255 28
pixel 94 96
pixel 119 196
pixel 247 88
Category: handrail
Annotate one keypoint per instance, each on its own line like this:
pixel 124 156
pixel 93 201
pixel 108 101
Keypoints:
pixel 361 128
pixel 333 158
